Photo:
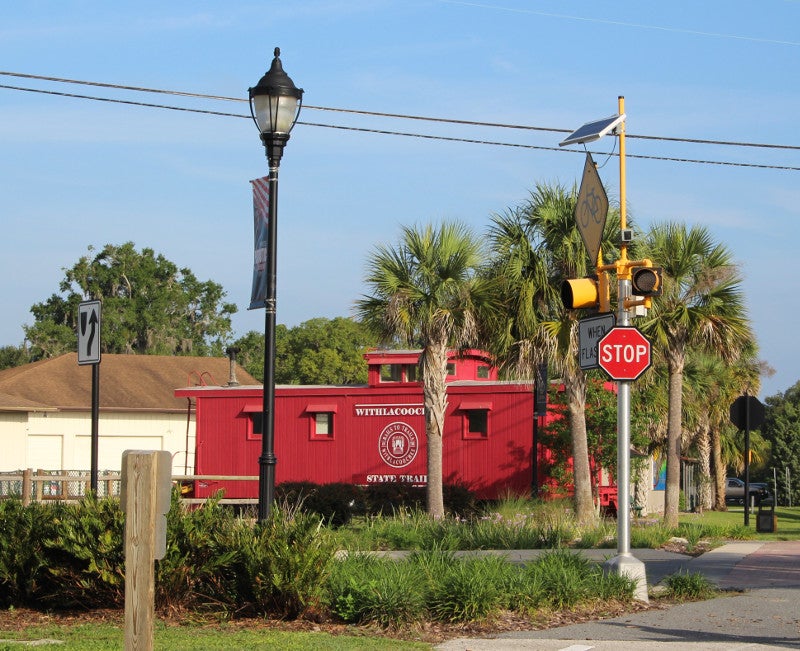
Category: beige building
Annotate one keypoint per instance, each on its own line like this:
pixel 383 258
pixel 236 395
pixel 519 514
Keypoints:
pixel 46 415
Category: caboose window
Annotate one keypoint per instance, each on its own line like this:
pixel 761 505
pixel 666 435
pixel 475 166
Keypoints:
pixel 477 423
pixel 321 419
pixel 256 423
pixel 323 425
pixel 483 372
pixel 391 373
pixel 475 419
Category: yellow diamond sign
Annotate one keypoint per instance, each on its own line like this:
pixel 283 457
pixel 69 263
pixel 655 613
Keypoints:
pixel 591 209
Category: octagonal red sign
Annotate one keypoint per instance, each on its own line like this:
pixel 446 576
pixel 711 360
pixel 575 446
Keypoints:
pixel 624 353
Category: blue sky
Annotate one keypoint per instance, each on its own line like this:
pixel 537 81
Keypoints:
pixel 77 172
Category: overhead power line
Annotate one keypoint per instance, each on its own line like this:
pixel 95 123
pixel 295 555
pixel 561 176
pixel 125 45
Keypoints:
pixel 394 116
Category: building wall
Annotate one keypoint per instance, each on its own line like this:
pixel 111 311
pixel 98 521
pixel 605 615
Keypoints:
pixel 62 440
pixel 13 440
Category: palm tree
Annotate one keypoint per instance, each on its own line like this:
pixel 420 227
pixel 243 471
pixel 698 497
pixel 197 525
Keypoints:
pixel 702 306
pixel 427 292
pixel 536 247
pixel 713 385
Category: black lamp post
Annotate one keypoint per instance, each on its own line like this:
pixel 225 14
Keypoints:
pixel 274 104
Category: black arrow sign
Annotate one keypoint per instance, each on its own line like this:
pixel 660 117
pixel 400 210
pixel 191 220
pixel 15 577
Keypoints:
pixel 93 325
pixel 89 332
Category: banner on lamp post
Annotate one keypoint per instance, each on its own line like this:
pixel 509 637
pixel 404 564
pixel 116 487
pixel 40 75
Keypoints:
pixel 258 294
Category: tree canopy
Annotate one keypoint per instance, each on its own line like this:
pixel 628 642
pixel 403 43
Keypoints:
pixel 782 429
pixel 149 306
pixel 318 351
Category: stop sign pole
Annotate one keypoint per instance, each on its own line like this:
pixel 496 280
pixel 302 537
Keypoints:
pixel 624 563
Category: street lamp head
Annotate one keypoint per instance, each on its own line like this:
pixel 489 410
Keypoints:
pixel 274 105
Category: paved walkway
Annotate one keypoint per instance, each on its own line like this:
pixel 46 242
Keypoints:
pixel 765 616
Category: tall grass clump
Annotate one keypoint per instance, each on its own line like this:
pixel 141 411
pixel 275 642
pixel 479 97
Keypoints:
pixel 650 536
pixel 471 590
pixel 363 589
pixel 601 535
pixel 688 586
pixel 519 523
pixel 562 579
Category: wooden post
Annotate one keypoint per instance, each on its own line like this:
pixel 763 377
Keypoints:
pixel 26 486
pixel 146 478
pixel 39 486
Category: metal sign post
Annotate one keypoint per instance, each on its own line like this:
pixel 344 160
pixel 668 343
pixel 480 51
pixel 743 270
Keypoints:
pixel 89 353
pixel 624 563
pixel 747 412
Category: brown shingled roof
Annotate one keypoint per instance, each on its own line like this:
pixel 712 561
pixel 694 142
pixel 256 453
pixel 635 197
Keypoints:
pixel 127 382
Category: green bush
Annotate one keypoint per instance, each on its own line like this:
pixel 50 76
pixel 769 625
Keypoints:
pixel 336 503
pixel 285 563
pixel 86 555
pixel 459 500
pixel 386 499
pixel 199 568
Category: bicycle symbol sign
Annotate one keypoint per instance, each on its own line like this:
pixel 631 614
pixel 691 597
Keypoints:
pixel 591 209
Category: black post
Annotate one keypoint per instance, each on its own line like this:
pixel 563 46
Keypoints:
pixel 95 428
pixel 267 460
pixel 746 460
pixel 274 106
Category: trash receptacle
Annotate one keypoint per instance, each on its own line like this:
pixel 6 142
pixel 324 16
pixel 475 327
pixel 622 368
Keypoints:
pixel 766 520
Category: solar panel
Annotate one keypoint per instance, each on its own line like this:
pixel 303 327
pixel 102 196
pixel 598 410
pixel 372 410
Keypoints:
pixel 593 130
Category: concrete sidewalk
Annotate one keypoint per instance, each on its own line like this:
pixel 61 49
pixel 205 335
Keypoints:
pixel 765 616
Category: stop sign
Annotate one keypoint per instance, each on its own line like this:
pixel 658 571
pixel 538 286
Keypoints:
pixel 623 353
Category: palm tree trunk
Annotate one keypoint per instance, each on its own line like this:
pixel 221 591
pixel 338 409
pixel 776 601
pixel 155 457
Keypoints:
pixel 674 429
pixel 575 383
pixel 719 471
pixel 704 452
pixel 434 389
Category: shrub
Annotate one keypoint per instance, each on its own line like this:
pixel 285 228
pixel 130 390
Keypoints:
pixel 385 499
pixel 199 567
pixel 336 502
pixel 86 555
pixel 459 500
pixel 285 562
pixel 23 557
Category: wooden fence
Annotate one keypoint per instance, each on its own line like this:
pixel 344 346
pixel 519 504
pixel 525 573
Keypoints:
pixel 45 485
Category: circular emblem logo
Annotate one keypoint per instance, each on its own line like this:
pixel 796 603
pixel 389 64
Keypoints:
pixel 398 444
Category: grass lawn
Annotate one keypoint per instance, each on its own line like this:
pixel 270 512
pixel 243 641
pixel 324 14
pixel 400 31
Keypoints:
pixel 106 636
pixel 788 525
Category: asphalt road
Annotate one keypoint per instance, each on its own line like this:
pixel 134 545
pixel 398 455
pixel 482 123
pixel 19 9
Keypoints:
pixel 760 611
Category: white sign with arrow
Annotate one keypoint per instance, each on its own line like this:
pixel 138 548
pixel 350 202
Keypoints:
pixel 89 332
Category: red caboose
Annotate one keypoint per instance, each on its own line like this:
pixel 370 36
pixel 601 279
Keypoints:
pixel 375 433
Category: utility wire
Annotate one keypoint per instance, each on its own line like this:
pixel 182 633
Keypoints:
pixel 381 114
pixel 392 115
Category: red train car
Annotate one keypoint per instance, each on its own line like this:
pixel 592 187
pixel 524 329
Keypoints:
pixel 373 433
